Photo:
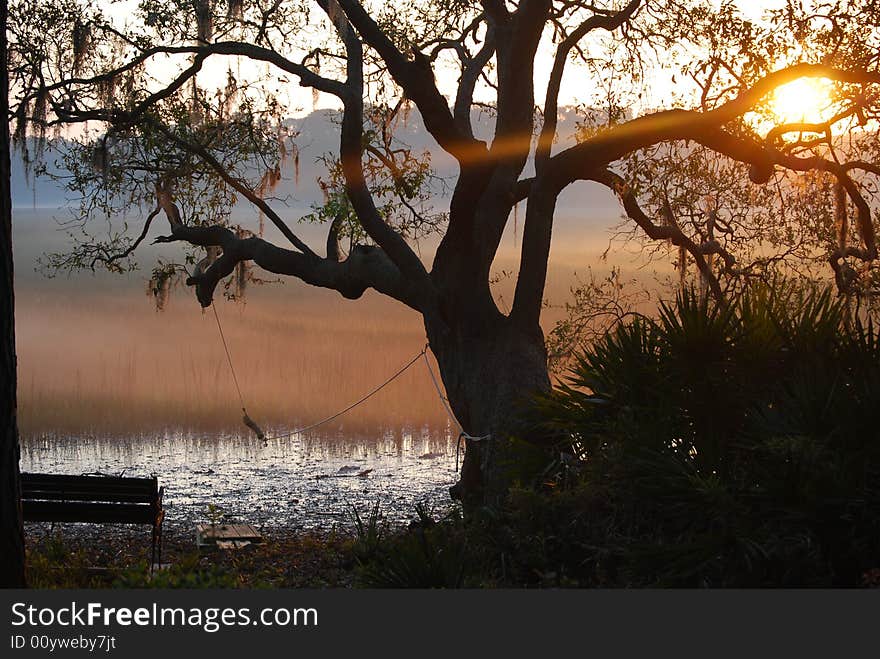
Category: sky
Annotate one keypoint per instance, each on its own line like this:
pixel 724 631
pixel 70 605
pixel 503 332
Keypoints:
pixel 300 101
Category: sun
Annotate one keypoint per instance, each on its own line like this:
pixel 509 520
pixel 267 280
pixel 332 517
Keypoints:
pixel 803 100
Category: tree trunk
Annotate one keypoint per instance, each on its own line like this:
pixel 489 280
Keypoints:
pixel 11 530
pixel 490 373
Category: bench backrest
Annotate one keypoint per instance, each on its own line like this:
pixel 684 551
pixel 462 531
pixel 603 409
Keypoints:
pixel 64 498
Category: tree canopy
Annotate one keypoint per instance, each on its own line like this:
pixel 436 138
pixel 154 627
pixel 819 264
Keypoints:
pixel 677 106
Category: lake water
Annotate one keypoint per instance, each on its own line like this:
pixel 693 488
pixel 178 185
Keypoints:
pixel 297 483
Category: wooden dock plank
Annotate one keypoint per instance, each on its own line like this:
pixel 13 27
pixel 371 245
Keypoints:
pixel 226 536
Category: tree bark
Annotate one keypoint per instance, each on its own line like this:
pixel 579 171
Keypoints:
pixel 11 529
pixel 491 371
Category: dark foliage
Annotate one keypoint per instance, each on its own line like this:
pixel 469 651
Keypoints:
pixel 717 446
pixel 729 446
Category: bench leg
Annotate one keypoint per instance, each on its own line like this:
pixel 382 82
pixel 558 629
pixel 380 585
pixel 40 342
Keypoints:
pixel 153 551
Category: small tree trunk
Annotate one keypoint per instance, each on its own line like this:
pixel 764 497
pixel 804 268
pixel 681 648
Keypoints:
pixel 11 530
pixel 490 375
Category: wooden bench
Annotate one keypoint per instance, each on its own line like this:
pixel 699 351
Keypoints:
pixel 107 499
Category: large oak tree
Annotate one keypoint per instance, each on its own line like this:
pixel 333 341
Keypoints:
pixel 677 123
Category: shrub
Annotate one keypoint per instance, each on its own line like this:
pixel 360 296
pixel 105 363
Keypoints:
pixel 725 446
pixel 734 446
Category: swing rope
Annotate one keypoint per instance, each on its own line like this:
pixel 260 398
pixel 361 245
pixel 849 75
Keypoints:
pixel 228 357
pixel 443 399
pixel 422 354
pixel 367 396
pixel 246 419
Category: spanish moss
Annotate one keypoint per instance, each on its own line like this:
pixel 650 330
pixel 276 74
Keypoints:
pixel 235 9
pixel 204 20
pixel 107 91
pixel 82 38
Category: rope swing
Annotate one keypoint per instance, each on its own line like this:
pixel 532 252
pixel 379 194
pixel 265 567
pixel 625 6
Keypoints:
pixel 443 399
pixel 422 354
pixel 248 421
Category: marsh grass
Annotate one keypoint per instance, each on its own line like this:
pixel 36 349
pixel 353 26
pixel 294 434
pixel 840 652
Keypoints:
pixel 96 358
pixel 107 364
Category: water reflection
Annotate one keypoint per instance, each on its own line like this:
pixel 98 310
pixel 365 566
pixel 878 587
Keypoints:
pixel 299 482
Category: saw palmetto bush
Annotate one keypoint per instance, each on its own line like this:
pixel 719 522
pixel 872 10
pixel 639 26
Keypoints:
pixel 720 446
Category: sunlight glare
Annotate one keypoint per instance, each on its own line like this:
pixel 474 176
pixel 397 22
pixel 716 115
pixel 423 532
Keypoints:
pixel 803 100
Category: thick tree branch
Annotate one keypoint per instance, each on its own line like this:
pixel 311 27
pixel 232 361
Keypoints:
pixel 518 41
pixel 417 80
pixel 551 102
pixel 614 143
pixel 481 201
pixel 470 74
pixel 541 207
pixel 366 266
pixel 496 10
pixel 351 156
pixel 333 252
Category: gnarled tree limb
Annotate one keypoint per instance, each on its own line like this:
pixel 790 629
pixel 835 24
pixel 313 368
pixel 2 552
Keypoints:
pixel 366 266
